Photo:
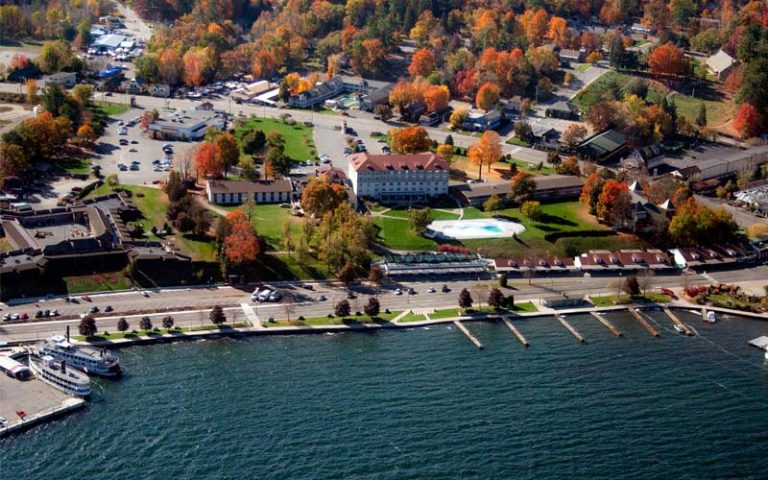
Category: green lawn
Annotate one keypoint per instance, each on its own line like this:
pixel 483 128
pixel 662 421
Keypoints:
pixel 398 235
pixel 518 142
pixel 610 300
pixel 522 165
pixel 98 282
pixel 152 202
pixel 583 67
pixel 202 250
pixel 436 214
pixel 558 219
pixel 412 317
pixel 717 111
pixel 594 93
pixel 110 108
pixel 299 144
pixel 445 313
pixel 154 332
pixel 76 166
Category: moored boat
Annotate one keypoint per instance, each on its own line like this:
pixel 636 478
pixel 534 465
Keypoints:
pixel 90 360
pixel 58 374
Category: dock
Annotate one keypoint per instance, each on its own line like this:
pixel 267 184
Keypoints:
pixel 469 335
pixel 760 342
pixel 39 401
pixel 611 327
pixel 678 322
pixel 644 322
pixel 517 333
pixel 570 328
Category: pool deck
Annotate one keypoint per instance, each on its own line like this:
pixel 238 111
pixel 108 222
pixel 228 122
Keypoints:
pixel 41 402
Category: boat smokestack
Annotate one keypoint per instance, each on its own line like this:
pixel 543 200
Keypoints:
pixel 67 333
pixel 63 366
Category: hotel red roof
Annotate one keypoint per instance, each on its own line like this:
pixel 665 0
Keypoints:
pixel 380 163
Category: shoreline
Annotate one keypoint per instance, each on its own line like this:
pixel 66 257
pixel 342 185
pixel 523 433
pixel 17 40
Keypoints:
pixel 72 404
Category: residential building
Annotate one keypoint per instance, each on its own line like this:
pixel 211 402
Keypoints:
pixel 481 122
pixel 640 28
pixel 398 178
pixel 720 64
pixel 511 107
pixel 543 133
pixel 604 147
pixel 65 79
pixel 649 157
pixel 162 90
pixel 412 112
pixel 563 109
pixel 576 56
pixel 332 174
pixel 554 265
pixel 184 125
pixel 224 192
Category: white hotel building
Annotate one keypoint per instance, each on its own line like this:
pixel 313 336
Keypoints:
pixel 398 178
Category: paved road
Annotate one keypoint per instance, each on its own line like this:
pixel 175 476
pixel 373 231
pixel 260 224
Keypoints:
pixel 190 306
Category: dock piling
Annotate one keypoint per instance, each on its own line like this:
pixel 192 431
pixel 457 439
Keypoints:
pixel 517 333
pixel 469 335
pixel 644 322
pixel 570 328
pixel 607 324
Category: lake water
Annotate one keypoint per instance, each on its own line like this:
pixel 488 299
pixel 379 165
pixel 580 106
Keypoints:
pixel 423 404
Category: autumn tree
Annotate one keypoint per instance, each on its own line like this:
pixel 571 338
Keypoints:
pixel 87 327
pixel 667 59
pixel 422 63
pixel 373 307
pixel 30 87
pixel 614 202
pixel 531 209
pixel 170 67
pixel 458 117
pixel 217 315
pixel 420 218
pixel 486 151
pixel 695 224
pixel 574 134
pixel 402 94
pixel 208 160
pixel 342 309
pixel 522 188
pixel 487 96
pixel 748 121
pixel 196 66
pixel 603 116
pixel 436 98
pixel 445 152
pixel 228 151
pixel 321 196
pixel 413 139
pixel 241 246
pixel 465 298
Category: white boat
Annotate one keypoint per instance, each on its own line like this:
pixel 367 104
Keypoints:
pixel 58 374
pixel 90 360
pixel 679 329
pixel 711 317
pixel 766 354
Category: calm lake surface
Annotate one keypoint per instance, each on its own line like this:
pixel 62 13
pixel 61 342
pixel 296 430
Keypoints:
pixel 423 404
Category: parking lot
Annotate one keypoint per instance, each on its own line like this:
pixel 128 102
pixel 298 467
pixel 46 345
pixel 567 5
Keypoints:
pixel 140 148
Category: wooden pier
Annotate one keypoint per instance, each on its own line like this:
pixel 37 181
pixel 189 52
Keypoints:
pixel 469 335
pixel 516 332
pixel 607 324
pixel 644 322
pixel 570 328
pixel 678 322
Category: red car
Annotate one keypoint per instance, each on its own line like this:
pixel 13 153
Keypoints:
pixel 86 298
pixel 24 316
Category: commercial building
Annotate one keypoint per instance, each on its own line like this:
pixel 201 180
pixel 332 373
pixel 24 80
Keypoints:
pixel 372 92
pixel 251 91
pixel 604 147
pixel 65 79
pixel 432 263
pixel 108 42
pixel 398 178
pixel 223 192
pixel 183 125
pixel 549 188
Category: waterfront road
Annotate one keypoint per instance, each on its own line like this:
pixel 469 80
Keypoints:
pixel 190 306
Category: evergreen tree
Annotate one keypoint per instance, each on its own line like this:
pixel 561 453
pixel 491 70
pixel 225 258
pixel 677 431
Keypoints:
pixel 701 118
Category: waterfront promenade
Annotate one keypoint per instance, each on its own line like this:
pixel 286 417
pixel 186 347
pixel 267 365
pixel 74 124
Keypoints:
pixel 36 399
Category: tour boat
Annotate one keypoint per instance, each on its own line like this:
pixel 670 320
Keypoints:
pixel 711 317
pixel 58 374
pixel 92 361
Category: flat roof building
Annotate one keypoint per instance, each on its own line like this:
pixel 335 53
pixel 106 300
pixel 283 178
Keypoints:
pixel 183 125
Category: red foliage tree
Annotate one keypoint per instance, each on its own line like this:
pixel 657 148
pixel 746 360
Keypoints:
pixel 748 121
pixel 208 160
pixel 241 245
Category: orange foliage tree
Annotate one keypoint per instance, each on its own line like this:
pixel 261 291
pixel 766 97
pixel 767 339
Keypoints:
pixel 748 121
pixel 486 151
pixel 241 245
pixel 667 59
pixel 208 160
pixel 487 96
pixel 410 139
pixel 558 31
pixel 436 98
pixel 614 202
pixel 422 63
pixel 195 66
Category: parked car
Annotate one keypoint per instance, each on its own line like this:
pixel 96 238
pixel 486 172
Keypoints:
pixel 85 297
pixel 108 308
pixel 398 291
pixel 321 298
pixel 6 317
pixel 53 313
pixel 431 290
pixel 445 289
pixel 93 309
pixel 24 316
pixel 39 314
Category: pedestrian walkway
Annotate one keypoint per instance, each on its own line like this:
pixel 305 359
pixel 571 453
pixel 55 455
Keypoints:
pixel 253 319
pixel 709 278
pixel 400 315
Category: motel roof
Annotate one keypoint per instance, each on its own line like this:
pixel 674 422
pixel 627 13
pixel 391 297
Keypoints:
pixel 227 186
pixel 380 163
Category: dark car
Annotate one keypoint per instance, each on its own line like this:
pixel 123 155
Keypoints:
pixel 39 314
pixel 445 288
pixel 108 308
pixel 351 295
pixel 94 309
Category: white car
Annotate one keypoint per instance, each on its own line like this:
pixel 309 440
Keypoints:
pixel 3 421
pixel 398 291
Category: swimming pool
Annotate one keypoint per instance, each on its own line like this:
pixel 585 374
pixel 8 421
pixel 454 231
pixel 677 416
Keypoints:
pixel 477 228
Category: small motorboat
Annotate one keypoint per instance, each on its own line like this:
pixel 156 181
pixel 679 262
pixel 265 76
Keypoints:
pixel 679 329
pixel 711 317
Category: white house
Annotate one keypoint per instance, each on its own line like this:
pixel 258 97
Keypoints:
pixel 398 178
pixel 720 64
pixel 65 79
pixel 223 192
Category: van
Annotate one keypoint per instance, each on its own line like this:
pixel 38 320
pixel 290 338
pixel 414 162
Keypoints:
pixel 275 296
pixel 263 296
